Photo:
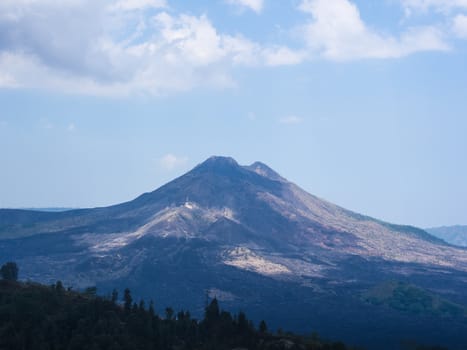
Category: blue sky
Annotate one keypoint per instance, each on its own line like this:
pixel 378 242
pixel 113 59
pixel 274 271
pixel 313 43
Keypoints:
pixel 362 103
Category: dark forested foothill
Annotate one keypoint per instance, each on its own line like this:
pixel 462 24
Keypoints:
pixel 34 316
pixel 9 271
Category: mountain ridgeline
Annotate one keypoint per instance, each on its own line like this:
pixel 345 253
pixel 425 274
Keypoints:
pixel 254 240
pixel 456 235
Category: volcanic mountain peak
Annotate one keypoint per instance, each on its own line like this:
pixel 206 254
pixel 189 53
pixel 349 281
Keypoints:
pixel 218 163
pixel 227 166
pixel 221 201
pixel 263 170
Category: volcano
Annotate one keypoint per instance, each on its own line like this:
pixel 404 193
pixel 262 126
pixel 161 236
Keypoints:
pixel 257 242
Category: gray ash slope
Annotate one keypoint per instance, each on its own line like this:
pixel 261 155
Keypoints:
pixel 256 241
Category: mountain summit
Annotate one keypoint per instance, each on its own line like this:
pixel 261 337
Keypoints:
pixel 241 233
pixel 219 162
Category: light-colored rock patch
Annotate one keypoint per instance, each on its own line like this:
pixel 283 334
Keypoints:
pixel 246 259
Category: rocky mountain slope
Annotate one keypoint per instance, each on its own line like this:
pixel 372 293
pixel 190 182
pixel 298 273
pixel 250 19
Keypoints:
pixel 251 238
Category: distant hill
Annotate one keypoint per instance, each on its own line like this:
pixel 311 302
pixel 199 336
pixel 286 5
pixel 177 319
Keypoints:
pixel 456 235
pixel 256 241
pixel 56 210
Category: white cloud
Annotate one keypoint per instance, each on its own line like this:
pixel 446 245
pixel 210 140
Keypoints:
pixel 279 56
pixel 190 38
pixel 170 162
pixel 417 6
pixel 129 5
pixel 196 40
pixel 123 47
pixel 93 48
pixel 65 36
pixel 459 26
pixel 254 5
pixel 71 127
pixel 6 79
pixel 337 32
pixel 291 120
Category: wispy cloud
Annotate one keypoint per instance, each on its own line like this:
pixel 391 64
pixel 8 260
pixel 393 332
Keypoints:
pixel 138 4
pixel 71 127
pixel 251 116
pixel 290 120
pixel 283 56
pixel 46 124
pixel 459 26
pixel 170 161
pixel 254 5
pixel 7 80
pixel 416 6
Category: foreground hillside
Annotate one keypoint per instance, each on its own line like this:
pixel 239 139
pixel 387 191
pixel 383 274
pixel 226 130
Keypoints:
pixel 35 316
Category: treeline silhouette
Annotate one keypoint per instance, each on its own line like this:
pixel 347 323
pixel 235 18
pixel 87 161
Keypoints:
pixel 34 316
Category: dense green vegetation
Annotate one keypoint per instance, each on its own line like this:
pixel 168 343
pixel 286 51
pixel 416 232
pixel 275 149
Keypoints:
pixel 409 298
pixel 34 316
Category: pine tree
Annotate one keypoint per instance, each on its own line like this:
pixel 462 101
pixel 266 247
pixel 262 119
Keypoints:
pixel 9 271
pixel 263 328
pixel 127 299
pixel 114 297
pixel 212 312
pixel 59 287
pixel 151 310
pixel 169 313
